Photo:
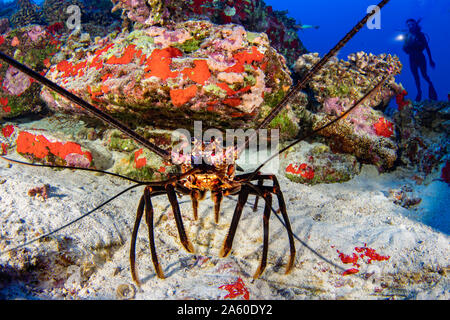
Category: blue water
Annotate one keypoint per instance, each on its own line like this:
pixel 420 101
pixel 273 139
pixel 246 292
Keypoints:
pixel 336 18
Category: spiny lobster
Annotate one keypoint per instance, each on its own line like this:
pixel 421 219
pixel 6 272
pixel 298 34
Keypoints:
pixel 216 175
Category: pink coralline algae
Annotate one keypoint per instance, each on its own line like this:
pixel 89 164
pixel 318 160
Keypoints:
pixel 77 160
pixel 36 32
pixel 16 82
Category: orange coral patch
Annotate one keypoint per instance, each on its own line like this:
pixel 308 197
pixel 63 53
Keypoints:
pixel 231 92
pixel 200 73
pixel 106 76
pixel 181 96
pixel 126 57
pixel 105 89
pixel 139 163
pixel 40 147
pixel 158 64
pixel 245 57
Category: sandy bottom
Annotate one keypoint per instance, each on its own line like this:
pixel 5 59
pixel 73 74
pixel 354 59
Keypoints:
pixel 334 223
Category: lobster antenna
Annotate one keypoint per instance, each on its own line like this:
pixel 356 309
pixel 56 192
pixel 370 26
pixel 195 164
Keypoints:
pixel 69 167
pixel 304 80
pixel 73 221
pixel 360 101
pixel 85 105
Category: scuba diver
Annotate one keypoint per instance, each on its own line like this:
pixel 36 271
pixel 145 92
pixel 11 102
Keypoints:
pixel 415 43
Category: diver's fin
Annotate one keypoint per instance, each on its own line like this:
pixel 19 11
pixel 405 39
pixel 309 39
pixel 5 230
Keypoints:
pixel 432 94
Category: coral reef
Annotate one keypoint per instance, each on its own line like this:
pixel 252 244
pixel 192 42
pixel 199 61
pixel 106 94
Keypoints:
pixel 365 132
pixel 4 25
pixel 29 13
pixel 33 46
pixel 170 76
pixel 253 15
pixel 424 129
pixel 351 79
pixel 316 163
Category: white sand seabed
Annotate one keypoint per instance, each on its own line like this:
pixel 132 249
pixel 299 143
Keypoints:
pixel 326 217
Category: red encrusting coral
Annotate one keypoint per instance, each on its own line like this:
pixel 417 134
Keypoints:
pixel 158 64
pixel 384 128
pixel 55 28
pixel 139 163
pixel 233 102
pixel 361 253
pixel 182 96
pixel 7 130
pixel 243 58
pixel 4 103
pixel 400 100
pixel 236 289
pixel 303 169
pixel 353 259
pixel 350 271
pixel 370 253
pixel 70 70
pixel 200 73
pixel 126 58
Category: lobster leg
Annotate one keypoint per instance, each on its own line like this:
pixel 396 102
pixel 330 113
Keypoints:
pixel 151 238
pixel 140 212
pixel 267 211
pixel 178 219
pixel 242 200
pixel 195 196
pixel 282 208
pixel 255 205
pixel 217 197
